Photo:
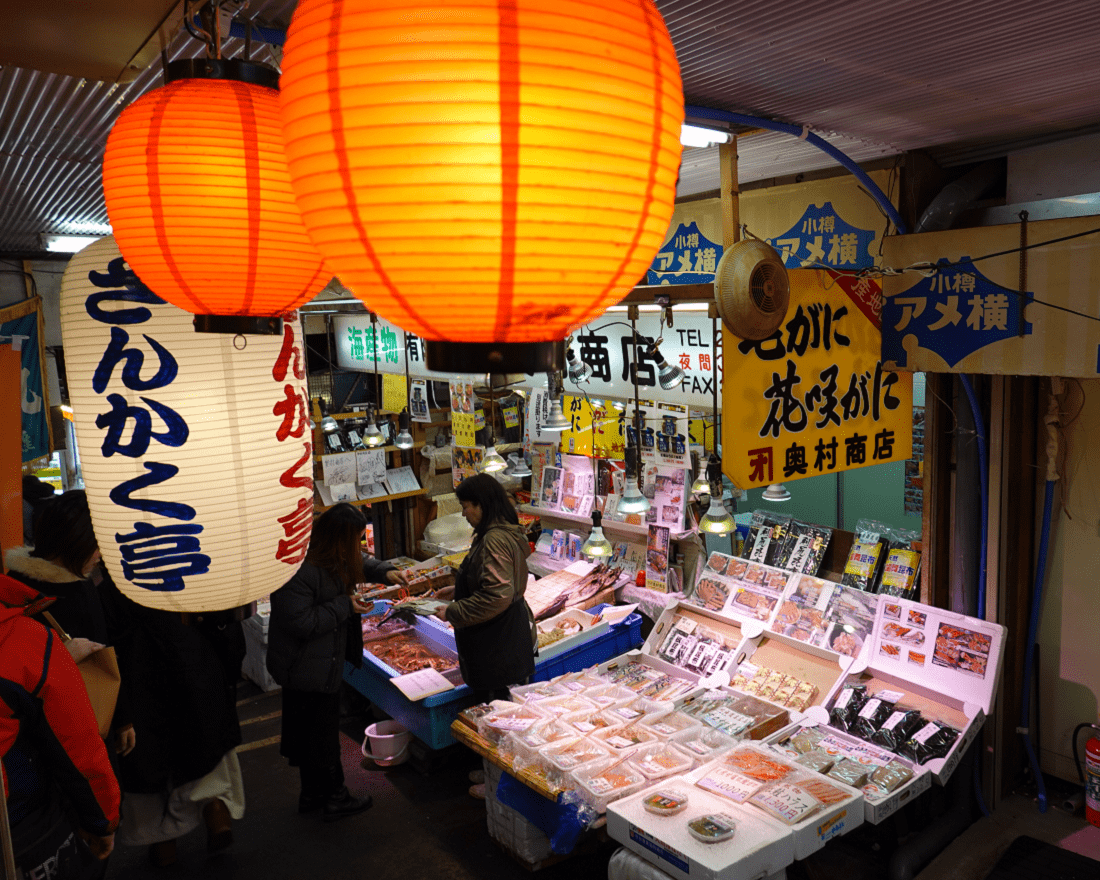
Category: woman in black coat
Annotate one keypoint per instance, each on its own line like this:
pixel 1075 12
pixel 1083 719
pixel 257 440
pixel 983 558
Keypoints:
pixel 315 626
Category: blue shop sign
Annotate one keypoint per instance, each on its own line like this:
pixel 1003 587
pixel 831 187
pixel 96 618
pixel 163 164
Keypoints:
pixel 954 313
pixel 688 257
pixel 823 237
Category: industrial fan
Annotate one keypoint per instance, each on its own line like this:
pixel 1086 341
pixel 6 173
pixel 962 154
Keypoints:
pixel 751 289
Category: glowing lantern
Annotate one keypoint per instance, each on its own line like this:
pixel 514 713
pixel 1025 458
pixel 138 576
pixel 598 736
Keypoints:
pixel 199 197
pixel 486 171
pixel 196 450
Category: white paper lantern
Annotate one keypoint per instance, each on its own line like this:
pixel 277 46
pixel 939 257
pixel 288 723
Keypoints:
pixel 195 447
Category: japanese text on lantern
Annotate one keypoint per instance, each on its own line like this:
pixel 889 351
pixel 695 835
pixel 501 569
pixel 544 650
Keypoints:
pixel 154 556
pixel 825 402
pixel 294 428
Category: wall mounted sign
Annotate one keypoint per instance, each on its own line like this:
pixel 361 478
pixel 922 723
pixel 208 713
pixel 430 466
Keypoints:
pixel 970 316
pixel 822 236
pixel 814 398
pixel 688 257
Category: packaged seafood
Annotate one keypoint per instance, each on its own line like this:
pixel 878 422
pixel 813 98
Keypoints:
pixel 600 783
pixel 513 717
pixel 665 724
pixel 666 802
pixel 712 828
pixel 657 760
pixel 625 739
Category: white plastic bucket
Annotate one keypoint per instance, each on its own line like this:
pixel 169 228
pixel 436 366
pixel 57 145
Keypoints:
pixel 388 741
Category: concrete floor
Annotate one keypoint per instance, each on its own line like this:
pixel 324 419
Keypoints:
pixel 424 825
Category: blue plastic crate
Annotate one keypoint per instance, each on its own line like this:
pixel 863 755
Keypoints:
pixel 429 720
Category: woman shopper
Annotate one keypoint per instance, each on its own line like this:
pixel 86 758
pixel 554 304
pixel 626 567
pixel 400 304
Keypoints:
pixel 494 629
pixel 315 626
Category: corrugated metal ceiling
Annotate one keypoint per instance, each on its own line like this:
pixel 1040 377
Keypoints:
pixel 876 79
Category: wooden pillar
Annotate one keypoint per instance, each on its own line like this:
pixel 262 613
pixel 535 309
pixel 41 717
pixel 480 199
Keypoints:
pixel 730 193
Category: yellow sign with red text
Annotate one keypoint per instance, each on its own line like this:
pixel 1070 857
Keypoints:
pixel 814 398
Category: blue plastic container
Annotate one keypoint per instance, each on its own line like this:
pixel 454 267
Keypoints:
pixel 429 720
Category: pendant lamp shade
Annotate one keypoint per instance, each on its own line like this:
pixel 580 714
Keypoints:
pixel 199 197
pixel 196 453
pixel 530 149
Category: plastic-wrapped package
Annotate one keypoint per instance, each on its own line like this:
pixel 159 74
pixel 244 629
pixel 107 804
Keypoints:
pixel 849 772
pixel 767 533
pixel 891 776
pixel 804 547
pixel 805 740
pixel 846 707
pixel 818 760
pixel 823 791
pixel 933 740
pixel 524 745
pixel 626 739
pixel 896 729
pixel 872 715
pixel 786 801
pixel 512 717
pixel 703 742
pixel 866 556
pixel 657 760
pixel 603 782
pixel 900 573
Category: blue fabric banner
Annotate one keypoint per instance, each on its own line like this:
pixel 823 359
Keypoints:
pixel 24 320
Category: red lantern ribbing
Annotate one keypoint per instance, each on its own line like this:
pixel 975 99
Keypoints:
pixel 493 172
pixel 199 197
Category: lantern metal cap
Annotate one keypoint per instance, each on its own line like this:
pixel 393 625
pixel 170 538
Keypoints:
pixel 494 357
pixel 222 68
pixel 248 325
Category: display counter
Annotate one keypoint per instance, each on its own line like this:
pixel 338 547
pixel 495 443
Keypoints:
pixel 794 707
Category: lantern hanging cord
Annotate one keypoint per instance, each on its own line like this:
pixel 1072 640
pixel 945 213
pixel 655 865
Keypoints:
pixel 930 270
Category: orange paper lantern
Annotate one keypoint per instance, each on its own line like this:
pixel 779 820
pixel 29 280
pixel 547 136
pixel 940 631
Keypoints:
pixel 199 198
pixel 488 171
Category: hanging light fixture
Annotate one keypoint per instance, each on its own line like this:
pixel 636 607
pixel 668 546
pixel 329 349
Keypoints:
pixel 199 197
pixel 701 486
pixel 776 492
pixel 518 466
pixel 404 439
pixel 493 462
pixel 372 435
pixel 717 519
pixel 556 421
pixel 579 371
pixel 597 546
pixel 546 186
pixel 633 501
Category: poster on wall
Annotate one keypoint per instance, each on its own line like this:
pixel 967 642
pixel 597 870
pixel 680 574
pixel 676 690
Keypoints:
pixel 813 398
pixel 656 559
pixel 418 401
pixel 23 321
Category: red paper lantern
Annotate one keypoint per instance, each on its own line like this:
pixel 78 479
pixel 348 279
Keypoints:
pixel 486 171
pixel 199 197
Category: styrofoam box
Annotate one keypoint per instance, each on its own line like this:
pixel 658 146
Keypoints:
pixel 875 809
pixel 760 847
pixel 661 666
pixel 589 628
pixel 947 665
pixel 813 832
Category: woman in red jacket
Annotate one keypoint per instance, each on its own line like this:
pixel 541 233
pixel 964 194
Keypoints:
pixel 49 743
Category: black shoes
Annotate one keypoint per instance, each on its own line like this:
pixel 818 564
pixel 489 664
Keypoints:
pixel 344 803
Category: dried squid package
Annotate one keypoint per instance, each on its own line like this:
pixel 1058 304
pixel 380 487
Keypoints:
pixel 896 730
pixel 767 533
pixel 804 547
pixel 847 705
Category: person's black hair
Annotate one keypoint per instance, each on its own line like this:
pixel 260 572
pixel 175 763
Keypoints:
pixel 487 493
pixel 336 541
pixel 63 531
pixel 35 489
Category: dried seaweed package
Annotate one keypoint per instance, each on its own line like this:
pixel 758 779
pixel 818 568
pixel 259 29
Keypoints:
pixel 767 533
pixel 896 730
pixel 873 714
pixel 901 568
pixel 847 705
pixel 933 740
pixel 804 547
pixel 867 556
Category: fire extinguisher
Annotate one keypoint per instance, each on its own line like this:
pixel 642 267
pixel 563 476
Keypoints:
pixel 1092 781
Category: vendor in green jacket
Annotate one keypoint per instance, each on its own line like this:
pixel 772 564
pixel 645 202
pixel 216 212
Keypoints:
pixel 494 629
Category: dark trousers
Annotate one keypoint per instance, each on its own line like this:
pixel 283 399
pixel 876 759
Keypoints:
pixel 311 740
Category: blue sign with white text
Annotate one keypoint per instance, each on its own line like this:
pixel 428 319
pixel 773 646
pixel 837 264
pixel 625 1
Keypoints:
pixel 688 257
pixel 954 313
pixel 822 237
